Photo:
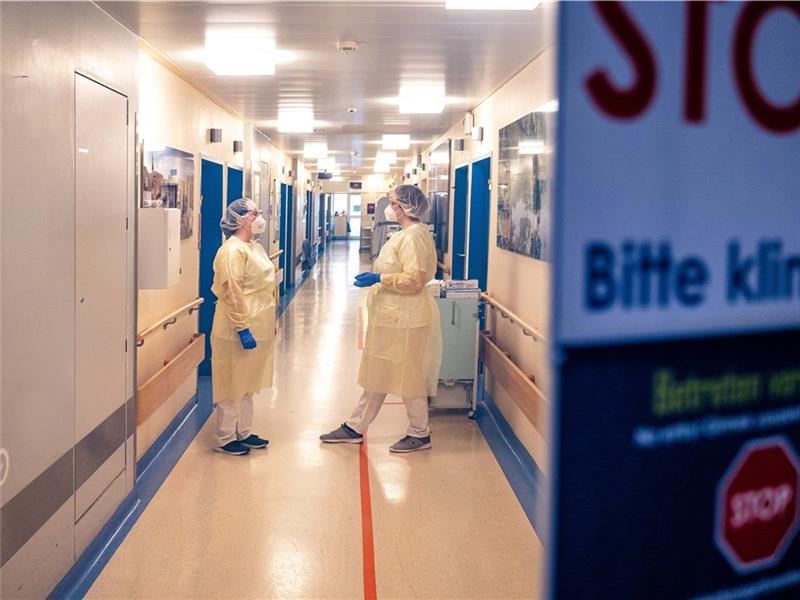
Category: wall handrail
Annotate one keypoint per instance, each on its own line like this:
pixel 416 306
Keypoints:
pixel 170 319
pixel 521 389
pixel 506 313
pixel 444 268
pixel 275 255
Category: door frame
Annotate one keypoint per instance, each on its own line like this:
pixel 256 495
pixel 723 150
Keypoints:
pixel 465 231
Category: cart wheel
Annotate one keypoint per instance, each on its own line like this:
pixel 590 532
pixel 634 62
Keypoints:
pixel 471 414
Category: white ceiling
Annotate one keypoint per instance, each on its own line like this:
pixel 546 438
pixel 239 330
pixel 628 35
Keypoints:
pixel 472 52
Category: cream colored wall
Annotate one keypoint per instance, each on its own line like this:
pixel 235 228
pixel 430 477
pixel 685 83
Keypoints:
pixel 173 113
pixel 521 283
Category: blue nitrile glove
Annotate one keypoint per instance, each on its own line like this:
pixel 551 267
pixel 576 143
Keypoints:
pixel 248 341
pixel 367 279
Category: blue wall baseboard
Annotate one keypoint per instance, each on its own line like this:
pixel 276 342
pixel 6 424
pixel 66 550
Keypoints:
pixel 523 474
pixel 152 470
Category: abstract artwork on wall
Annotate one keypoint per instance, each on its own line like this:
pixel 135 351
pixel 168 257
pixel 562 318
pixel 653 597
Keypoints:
pixel 525 177
pixel 168 182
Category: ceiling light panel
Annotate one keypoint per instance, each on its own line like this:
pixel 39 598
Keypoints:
pixel 396 141
pixel 240 53
pixel 295 120
pixel 386 156
pixel 422 98
pixel 312 150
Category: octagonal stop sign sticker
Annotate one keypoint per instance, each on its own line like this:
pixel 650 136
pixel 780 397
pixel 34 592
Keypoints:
pixel 758 510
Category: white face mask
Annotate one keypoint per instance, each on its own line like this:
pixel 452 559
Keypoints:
pixel 390 214
pixel 259 225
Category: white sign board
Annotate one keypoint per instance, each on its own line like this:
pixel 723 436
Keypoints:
pixel 678 208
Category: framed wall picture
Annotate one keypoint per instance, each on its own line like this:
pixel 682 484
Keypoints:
pixel 168 182
pixel 524 180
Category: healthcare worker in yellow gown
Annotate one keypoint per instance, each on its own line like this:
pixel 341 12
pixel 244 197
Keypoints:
pixel 243 333
pixel 403 349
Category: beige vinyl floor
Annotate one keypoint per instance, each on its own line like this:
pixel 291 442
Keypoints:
pixel 286 522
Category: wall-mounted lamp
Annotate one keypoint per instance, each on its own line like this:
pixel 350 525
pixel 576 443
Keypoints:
pixel 237 146
pixel 477 134
pixel 215 136
pixel 469 123
pixel 458 145
pixel 414 172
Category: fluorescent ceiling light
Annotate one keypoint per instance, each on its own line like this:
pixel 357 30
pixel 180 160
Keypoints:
pixel 422 98
pixel 396 141
pixel 531 147
pixel 337 179
pixel 326 164
pixel 381 167
pixel 386 156
pixel 296 120
pixel 242 53
pixel 315 150
pixel 491 4
pixel 548 107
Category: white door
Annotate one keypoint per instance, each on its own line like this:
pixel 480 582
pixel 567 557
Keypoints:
pixel 101 175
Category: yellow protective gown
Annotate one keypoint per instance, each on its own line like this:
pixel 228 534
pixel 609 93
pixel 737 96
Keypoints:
pixel 403 350
pixel 244 283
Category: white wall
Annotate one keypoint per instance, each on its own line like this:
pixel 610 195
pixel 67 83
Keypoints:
pixel 521 283
pixel 43 45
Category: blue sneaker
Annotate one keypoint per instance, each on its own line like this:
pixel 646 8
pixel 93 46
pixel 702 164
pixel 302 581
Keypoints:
pixel 254 442
pixel 235 447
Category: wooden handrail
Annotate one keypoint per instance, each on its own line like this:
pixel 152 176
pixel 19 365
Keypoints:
pixel 522 390
pixel 276 255
pixel 444 268
pixel 155 391
pixel 527 330
pixel 170 319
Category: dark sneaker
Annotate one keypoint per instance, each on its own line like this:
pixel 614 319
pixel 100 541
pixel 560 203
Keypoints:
pixel 235 447
pixel 411 444
pixel 254 442
pixel 342 435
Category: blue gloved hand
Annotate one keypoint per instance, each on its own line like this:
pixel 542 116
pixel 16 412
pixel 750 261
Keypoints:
pixel 248 341
pixel 367 279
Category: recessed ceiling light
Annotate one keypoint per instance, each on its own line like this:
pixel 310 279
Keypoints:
pixel 491 4
pixel 424 98
pixel 315 150
pixel 396 141
pixel 352 109
pixel 244 53
pixel 295 120
pixel 386 156
pixel 347 47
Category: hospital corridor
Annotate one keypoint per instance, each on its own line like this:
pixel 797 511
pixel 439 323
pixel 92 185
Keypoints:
pixel 291 522
pixel 399 300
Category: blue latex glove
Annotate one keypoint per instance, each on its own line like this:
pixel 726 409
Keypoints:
pixel 248 341
pixel 367 279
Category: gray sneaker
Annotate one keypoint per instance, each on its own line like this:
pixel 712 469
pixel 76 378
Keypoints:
pixel 411 444
pixel 342 435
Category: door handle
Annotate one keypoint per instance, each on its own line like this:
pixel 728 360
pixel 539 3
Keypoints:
pixel 461 255
pixel 453 314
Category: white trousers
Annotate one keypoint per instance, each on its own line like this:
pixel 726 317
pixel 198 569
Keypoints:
pixel 371 402
pixel 234 419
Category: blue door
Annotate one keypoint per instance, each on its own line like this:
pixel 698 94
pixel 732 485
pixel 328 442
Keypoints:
pixel 479 201
pixel 285 253
pixel 460 221
pixel 210 241
pixel 290 236
pixel 235 181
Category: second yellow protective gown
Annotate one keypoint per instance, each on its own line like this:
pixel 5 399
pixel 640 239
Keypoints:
pixel 403 349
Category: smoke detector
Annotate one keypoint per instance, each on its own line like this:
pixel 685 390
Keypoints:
pixel 347 47
pixel 351 109
pixel 353 153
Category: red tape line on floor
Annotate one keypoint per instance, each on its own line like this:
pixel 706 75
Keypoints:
pixel 367 543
